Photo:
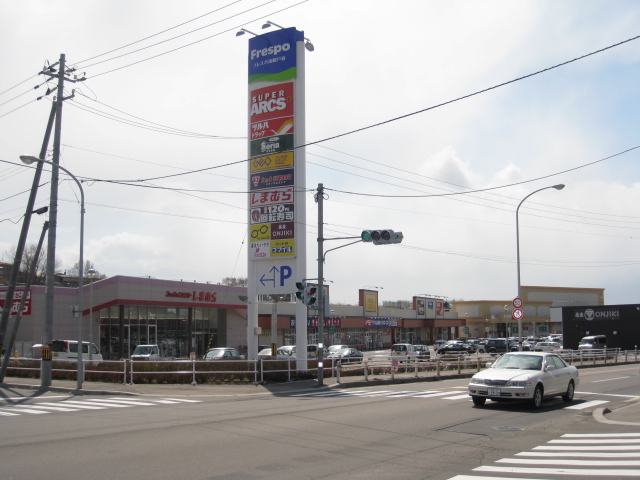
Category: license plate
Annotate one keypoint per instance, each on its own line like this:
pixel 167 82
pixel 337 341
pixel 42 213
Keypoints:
pixel 494 392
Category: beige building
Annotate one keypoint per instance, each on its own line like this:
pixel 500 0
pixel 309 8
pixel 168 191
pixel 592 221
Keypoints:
pixel 493 318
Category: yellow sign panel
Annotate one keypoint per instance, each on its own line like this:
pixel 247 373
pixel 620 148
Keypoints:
pixel 272 162
pixel 283 248
pixel 370 303
pixel 260 232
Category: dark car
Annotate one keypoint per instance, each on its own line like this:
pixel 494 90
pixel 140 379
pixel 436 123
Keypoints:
pixel 423 352
pixel 495 345
pixel 456 347
pixel 347 355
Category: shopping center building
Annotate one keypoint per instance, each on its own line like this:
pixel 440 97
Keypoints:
pixel 183 317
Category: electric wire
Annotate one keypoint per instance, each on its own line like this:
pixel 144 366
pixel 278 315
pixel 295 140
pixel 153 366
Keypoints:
pixel 158 33
pixel 196 41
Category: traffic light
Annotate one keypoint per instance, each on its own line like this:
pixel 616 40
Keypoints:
pixel 381 237
pixel 310 296
pixel 301 286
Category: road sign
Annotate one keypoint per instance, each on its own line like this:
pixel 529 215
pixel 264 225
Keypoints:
pixel 517 302
pixel 275 276
pixel 517 314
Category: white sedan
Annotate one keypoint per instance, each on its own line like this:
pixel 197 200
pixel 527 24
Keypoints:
pixel 530 376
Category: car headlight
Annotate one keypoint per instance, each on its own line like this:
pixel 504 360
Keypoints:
pixel 477 380
pixel 521 383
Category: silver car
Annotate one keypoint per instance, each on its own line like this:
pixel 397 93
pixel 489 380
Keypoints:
pixel 530 376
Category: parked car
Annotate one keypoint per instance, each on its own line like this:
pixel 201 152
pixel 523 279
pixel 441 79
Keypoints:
pixel 423 352
pixel 146 352
pixel 438 343
pixel 223 354
pixel 68 350
pixel 335 348
pixel 530 376
pixel 495 345
pixel 547 347
pixel 405 351
pixel 593 342
pixel 290 351
pixel 456 347
pixel 347 355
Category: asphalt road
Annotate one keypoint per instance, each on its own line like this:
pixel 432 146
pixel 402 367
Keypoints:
pixel 410 431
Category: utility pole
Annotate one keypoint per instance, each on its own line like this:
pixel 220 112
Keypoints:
pixel 61 75
pixel 22 241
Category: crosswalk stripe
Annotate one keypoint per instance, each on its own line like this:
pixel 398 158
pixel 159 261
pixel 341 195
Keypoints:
pixel 34 412
pixel 118 401
pixel 582 406
pixel 50 406
pixel 40 408
pixel 599 435
pixel 436 393
pixel 584 448
pixel 475 477
pixel 579 454
pixel 632 441
pixel 578 463
pixel 459 397
pixel 183 400
pixel 561 471
pixel 94 405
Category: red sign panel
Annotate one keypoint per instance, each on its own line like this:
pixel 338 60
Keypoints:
pixel 271 196
pixel 269 103
pixel 17 298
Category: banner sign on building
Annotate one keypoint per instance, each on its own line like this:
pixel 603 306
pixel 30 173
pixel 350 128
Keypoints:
pixel 312 322
pixel 17 298
pixel 380 322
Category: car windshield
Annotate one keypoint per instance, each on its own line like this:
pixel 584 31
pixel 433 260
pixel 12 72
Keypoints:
pixel 342 351
pixel 215 354
pixel 519 362
pixel 142 350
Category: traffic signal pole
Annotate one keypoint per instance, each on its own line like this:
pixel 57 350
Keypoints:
pixel 319 199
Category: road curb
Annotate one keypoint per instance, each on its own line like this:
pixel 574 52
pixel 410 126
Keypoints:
pixel 599 414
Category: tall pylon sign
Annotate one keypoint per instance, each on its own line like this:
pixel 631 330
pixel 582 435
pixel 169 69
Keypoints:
pixel 276 172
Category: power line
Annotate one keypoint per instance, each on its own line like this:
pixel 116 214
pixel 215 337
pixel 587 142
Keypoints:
pixel 160 33
pixel 197 41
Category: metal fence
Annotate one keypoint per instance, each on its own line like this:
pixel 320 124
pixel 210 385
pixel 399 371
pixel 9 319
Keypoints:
pixel 260 371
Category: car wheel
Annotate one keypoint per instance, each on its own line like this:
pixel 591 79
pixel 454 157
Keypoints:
pixel 492 350
pixel 536 401
pixel 478 401
pixel 568 396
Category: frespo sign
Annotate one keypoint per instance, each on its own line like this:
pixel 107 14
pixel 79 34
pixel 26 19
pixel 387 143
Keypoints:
pixel 273 172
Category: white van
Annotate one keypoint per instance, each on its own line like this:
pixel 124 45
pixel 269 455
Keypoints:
pixel 596 342
pixel 146 352
pixel 68 350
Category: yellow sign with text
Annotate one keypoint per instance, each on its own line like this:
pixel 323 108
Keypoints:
pixel 272 162
pixel 370 303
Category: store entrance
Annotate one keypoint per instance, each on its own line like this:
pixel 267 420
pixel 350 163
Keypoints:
pixel 139 335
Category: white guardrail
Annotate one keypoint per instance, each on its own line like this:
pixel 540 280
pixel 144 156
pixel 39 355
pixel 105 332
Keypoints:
pixel 127 371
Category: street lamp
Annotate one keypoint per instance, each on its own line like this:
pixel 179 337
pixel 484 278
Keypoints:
pixel 560 186
pixel 28 160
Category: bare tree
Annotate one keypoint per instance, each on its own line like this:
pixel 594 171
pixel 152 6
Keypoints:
pixel 28 259
pixel 235 281
pixel 88 265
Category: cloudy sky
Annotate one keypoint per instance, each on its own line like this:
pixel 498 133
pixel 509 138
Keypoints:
pixel 166 93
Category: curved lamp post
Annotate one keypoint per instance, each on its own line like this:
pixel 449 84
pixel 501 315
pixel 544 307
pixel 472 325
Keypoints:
pixel 560 186
pixel 28 160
